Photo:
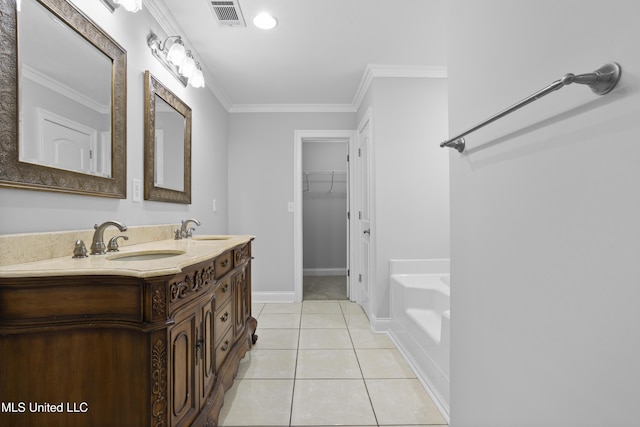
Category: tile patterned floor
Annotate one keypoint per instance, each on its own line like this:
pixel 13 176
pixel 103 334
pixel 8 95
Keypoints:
pixel 317 363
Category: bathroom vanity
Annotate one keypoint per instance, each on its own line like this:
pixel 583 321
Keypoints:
pixel 151 335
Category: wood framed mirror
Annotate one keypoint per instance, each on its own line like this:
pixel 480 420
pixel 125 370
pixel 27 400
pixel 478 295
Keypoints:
pixel 167 144
pixel 64 101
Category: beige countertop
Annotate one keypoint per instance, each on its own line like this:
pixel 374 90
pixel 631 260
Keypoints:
pixel 181 254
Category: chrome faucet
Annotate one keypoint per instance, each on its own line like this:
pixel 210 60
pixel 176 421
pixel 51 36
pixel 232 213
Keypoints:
pixel 185 232
pixel 97 246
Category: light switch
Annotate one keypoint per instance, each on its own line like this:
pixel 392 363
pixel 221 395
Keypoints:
pixel 137 190
pixel 215 209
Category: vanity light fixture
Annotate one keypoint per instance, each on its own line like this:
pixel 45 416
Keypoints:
pixel 265 21
pixel 176 58
pixel 129 5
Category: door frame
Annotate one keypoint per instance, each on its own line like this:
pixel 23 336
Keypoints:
pixel 347 136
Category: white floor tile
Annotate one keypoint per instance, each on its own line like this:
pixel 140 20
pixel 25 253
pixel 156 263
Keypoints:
pixel 402 401
pixel 278 321
pixel 336 364
pixel 323 321
pixel 256 308
pixel 383 363
pixel 350 307
pixel 366 338
pixel 321 307
pixel 325 339
pixel 282 308
pixel 357 321
pixel 268 364
pixel 257 403
pixel 277 339
pixel 331 402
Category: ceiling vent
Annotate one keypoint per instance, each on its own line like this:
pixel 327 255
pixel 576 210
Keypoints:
pixel 227 13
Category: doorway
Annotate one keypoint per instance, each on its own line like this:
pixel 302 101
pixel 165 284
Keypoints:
pixel 329 257
pixel 325 222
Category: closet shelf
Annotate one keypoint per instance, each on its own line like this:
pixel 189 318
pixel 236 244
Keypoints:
pixel 333 174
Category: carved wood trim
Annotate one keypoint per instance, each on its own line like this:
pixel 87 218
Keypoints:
pixel 159 301
pixel 192 282
pixel 159 400
pixel 238 279
pixel 239 288
pixel 241 255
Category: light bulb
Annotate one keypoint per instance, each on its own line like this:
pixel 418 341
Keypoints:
pixel 130 5
pixel 177 53
pixel 188 67
pixel 197 78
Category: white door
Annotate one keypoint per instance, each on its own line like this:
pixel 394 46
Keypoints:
pixel 363 296
pixel 66 144
pixel 68 148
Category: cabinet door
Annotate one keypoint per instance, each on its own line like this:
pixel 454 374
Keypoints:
pixel 206 348
pixel 183 395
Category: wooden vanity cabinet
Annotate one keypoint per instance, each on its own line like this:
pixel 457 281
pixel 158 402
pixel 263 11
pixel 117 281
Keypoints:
pixel 157 351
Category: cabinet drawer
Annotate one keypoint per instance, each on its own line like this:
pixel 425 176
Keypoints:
pixel 223 322
pixel 223 348
pixel 194 281
pixel 242 254
pixel 223 264
pixel 223 292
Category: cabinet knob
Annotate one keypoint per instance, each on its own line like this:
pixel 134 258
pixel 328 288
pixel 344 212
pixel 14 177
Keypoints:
pixel 224 317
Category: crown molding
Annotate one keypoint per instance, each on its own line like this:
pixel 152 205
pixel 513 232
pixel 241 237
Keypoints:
pixel 292 108
pixel 57 86
pixel 374 70
pixel 371 72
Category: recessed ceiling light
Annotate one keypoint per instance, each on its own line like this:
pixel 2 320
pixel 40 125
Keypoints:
pixel 265 21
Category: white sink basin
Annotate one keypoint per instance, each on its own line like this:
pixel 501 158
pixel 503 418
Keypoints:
pixel 145 255
pixel 211 237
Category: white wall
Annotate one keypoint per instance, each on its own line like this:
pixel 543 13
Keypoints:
pixel 261 174
pixel 545 234
pixel 24 211
pixel 324 205
pixel 411 200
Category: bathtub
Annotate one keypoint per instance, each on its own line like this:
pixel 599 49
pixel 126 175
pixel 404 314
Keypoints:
pixel 420 321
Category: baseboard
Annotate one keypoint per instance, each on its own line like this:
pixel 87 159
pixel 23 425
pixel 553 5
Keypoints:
pixel 380 324
pixel 261 297
pixel 324 272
